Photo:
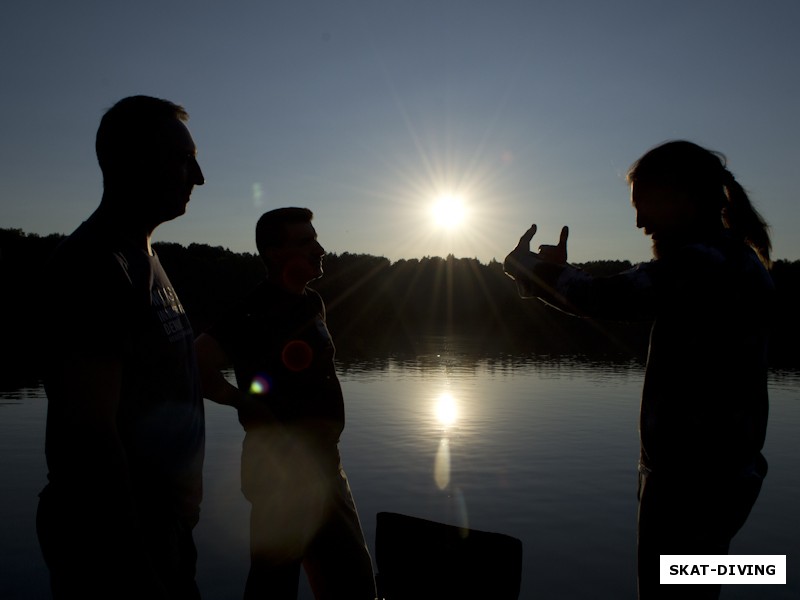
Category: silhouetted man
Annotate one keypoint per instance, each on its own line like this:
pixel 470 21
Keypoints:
pixel 125 425
pixel 290 403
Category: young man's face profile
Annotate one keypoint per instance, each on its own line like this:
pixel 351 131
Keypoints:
pixel 299 259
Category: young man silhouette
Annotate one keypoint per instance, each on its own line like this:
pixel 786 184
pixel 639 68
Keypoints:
pixel 290 403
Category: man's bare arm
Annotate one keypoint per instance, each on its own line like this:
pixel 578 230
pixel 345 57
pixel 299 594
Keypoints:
pixel 211 359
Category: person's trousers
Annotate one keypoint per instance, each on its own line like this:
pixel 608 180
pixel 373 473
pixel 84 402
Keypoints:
pixel 697 515
pixel 93 555
pixel 314 525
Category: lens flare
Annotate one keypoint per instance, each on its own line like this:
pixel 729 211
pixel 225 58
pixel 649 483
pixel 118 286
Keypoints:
pixel 441 466
pixel 297 355
pixel 461 513
pixel 260 385
pixel 258 194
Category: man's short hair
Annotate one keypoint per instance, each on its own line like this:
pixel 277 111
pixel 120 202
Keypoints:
pixel 271 227
pixel 129 132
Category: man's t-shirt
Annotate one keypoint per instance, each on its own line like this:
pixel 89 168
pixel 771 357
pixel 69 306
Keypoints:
pixel 282 352
pixel 111 300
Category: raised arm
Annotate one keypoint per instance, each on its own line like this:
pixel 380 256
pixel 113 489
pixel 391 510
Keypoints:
pixel 628 296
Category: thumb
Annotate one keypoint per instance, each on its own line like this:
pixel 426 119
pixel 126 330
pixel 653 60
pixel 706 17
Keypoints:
pixel 525 240
pixel 562 240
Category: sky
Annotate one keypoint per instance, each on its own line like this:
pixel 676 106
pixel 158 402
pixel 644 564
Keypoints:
pixel 369 111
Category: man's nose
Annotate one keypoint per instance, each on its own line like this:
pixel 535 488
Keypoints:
pixel 197 177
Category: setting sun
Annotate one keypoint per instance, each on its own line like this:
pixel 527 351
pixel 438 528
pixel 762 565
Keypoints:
pixel 448 211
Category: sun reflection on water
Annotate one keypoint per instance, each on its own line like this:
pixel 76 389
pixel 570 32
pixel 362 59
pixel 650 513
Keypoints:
pixel 446 410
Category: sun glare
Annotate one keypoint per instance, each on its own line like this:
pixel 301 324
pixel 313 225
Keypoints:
pixel 446 410
pixel 448 211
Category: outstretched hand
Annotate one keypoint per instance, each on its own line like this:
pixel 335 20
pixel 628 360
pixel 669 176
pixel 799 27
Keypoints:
pixel 521 263
pixel 525 267
pixel 557 253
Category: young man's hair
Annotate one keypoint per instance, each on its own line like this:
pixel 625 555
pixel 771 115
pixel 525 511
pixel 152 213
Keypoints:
pixel 271 227
pixel 130 131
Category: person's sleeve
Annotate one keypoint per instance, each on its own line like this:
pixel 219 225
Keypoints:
pixel 91 307
pixel 628 296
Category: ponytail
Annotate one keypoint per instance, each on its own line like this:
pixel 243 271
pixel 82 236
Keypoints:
pixel 743 220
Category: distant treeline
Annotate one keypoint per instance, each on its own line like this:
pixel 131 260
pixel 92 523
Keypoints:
pixel 374 305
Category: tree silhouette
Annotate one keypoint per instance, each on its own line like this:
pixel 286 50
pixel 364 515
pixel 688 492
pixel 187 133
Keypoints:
pixel 374 306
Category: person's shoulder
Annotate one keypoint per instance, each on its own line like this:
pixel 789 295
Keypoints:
pixel 258 300
pixel 700 259
pixel 85 249
pixel 705 252
pixel 728 253
pixel 724 259
pixel 91 256
pixel 315 299
pixel 261 294
pixel 313 294
pixel 244 316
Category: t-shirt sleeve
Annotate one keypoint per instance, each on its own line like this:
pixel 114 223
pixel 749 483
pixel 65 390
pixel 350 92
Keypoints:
pixel 90 311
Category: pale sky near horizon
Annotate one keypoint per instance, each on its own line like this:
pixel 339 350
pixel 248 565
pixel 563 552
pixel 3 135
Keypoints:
pixel 366 111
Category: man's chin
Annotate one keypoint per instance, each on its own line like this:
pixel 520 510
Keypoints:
pixel 178 210
pixel 172 215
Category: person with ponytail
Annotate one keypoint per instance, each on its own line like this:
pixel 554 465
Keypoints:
pixel 709 295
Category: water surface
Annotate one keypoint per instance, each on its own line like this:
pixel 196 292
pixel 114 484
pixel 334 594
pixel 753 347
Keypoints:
pixel 541 449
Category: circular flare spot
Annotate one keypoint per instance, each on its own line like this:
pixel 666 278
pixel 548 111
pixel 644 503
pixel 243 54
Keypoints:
pixel 297 355
pixel 260 385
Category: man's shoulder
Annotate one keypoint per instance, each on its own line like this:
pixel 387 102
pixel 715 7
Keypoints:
pixel 267 302
pixel 91 245
pixel 315 297
pixel 98 263
pixel 267 296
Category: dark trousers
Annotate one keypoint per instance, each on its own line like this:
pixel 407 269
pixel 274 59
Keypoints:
pixel 94 555
pixel 690 515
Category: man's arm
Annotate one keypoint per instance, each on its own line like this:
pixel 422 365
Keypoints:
pixel 211 359
pixel 86 391
pixel 627 296
pixel 85 394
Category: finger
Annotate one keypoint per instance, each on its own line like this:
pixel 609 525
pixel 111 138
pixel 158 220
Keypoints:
pixel 562 240
pixel 525 240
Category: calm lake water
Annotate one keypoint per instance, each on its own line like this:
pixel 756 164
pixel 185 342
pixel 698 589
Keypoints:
pixel 541 449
